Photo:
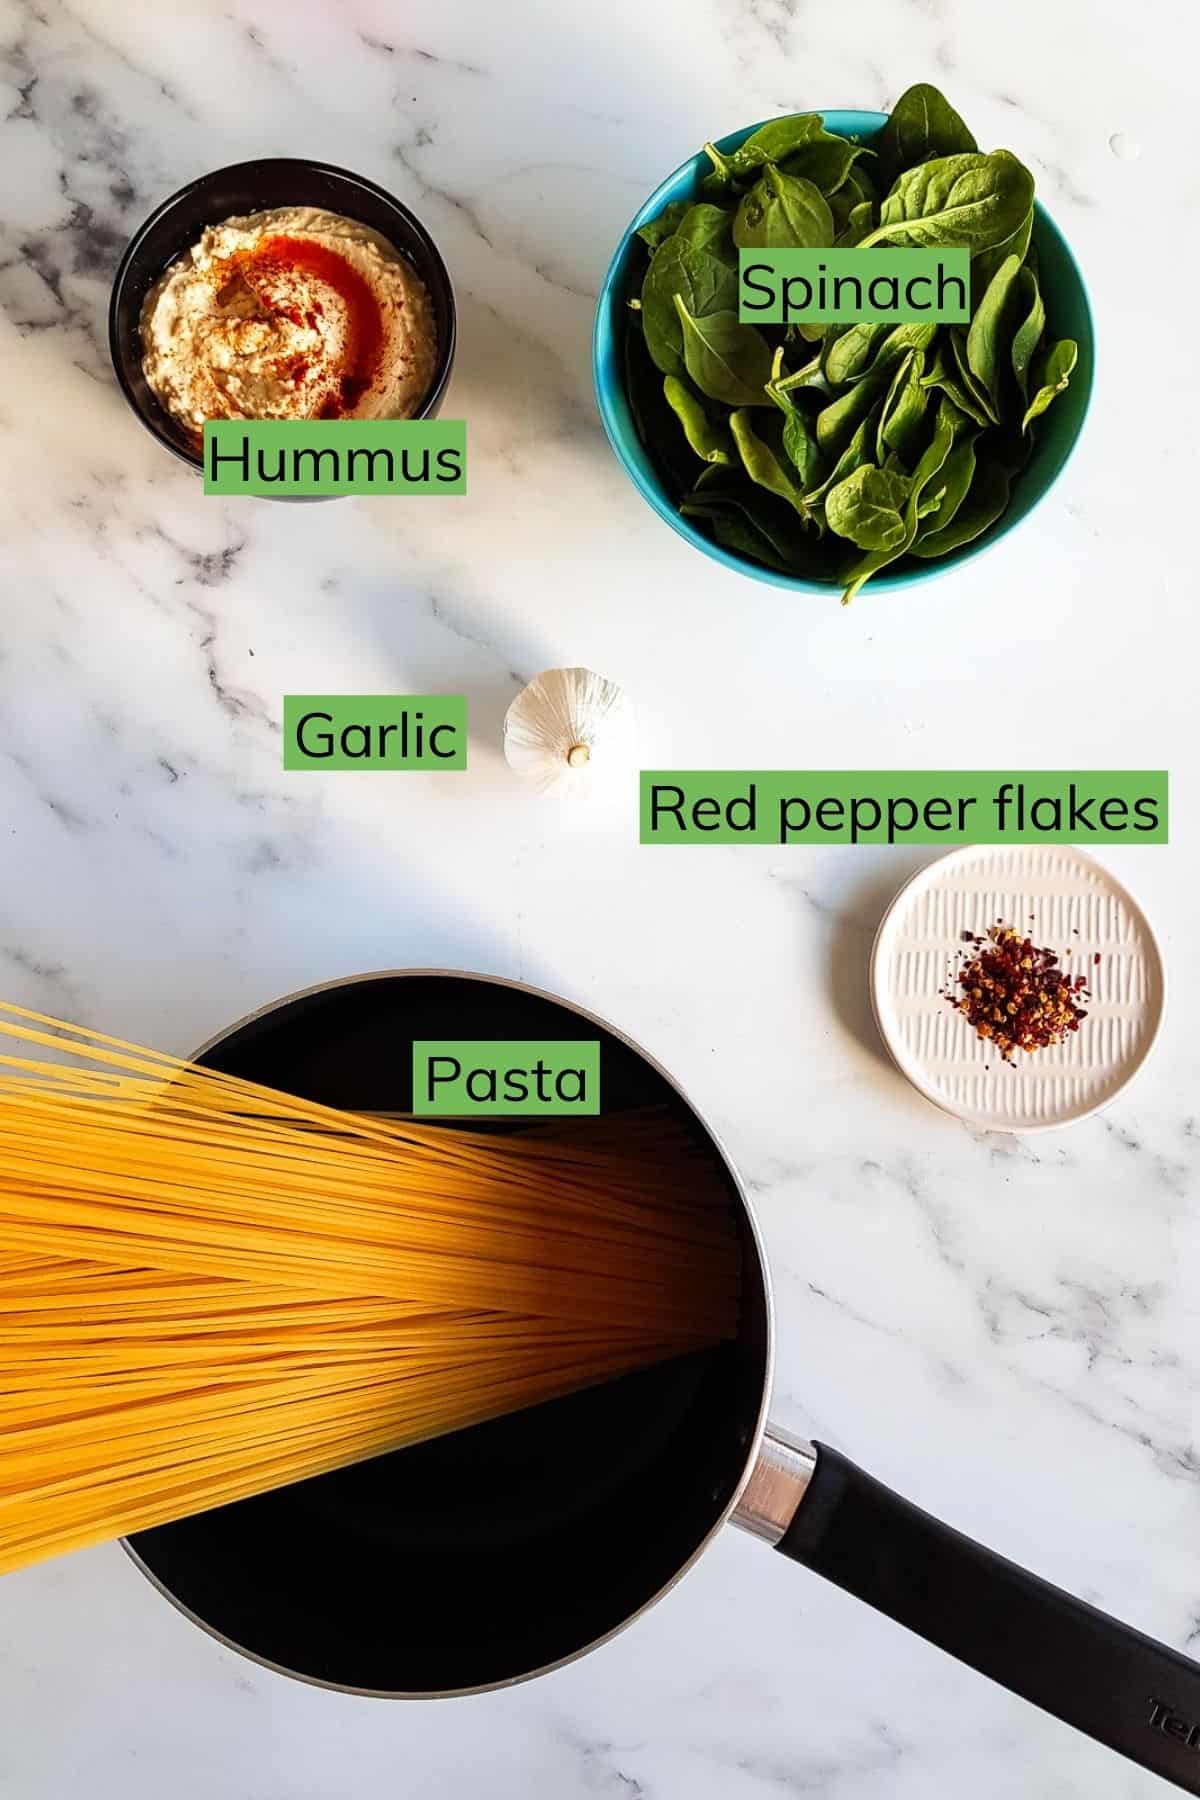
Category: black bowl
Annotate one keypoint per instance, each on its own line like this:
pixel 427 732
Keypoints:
pixel 250 187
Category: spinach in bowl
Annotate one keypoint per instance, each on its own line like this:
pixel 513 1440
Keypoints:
pixel 831 452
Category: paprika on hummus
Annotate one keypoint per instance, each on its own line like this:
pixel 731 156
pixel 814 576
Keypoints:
pixel 293 313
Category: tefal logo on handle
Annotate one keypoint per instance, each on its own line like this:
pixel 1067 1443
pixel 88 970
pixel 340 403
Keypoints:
pixel 1164 1718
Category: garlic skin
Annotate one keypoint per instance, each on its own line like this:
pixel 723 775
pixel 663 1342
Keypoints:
pixel 568 730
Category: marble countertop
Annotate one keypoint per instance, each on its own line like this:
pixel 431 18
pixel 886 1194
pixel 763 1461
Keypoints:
pixel 1007 1330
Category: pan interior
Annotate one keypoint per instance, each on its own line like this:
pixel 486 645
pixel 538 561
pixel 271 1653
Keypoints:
pixel 488 1554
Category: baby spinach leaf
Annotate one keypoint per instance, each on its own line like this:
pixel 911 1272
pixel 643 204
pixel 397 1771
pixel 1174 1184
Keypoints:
pixel 923 124
pixel 858 186
pixel 708 227
pixel 862 348
pixel 808 375
pixel 778 138
pixel 857 190
pixel 837 422
pixel 1017 244
pixel 858 572
pixel 985 500
pixel 727 360
pixel 719 179
pixel 990 337
pixel 1030 329
pixel 772 142
pixel 783 212
pixel 726 491
pixel 860 223
pixel 850 355
pixel 1051 375
pixel 854 456
pixel 801 446
pixel 705 282
pixel 654 231
pixel 943 373
pixel 868 508
pixel 826 162
pixel 936 364
pixel 764 462
pixel 656 424
pixel 721 484
pixel 966 375
pixel 903 411
pixel 706 435
pixel 899 341
pixel 809 556
pixel 798 440
pixel 734 532
pixel 955 476
pixel 969 200
pixel 946 428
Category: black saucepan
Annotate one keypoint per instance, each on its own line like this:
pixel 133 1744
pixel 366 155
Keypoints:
pixel 456 1565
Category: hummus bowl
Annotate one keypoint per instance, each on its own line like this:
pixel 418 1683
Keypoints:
pixel 267 185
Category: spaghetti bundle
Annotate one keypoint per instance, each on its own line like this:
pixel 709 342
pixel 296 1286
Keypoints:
pixel 209 1288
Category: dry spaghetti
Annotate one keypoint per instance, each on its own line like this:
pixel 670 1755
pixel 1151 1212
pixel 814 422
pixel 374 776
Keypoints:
pixel 209 1288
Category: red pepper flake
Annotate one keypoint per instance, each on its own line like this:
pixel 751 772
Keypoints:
pixel 280 270
pixel 1014 994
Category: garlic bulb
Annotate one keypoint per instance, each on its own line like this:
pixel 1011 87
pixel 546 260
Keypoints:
pixel 568 729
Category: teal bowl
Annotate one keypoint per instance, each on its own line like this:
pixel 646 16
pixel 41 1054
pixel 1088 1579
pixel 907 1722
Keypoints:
pixel 1068 314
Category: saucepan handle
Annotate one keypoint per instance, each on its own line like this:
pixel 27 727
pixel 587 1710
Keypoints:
pixel 1104 1678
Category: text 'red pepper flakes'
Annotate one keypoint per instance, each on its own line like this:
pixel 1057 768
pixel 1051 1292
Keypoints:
pixel 1015 994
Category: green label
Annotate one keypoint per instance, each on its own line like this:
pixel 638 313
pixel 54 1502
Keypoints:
pixel 905 806
pixel 374 731
pixel 335 456
pixel 850 287
pixel 460 1078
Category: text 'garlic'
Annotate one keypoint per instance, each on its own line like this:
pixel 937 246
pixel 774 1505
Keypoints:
pixel 569 729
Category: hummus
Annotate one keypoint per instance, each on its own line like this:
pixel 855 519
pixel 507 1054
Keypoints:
pixel 289 314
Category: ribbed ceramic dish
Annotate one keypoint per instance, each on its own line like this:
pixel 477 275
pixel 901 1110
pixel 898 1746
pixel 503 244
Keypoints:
pixel 1060 898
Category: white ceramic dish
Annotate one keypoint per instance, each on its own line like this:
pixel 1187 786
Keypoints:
pixel 1060 898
